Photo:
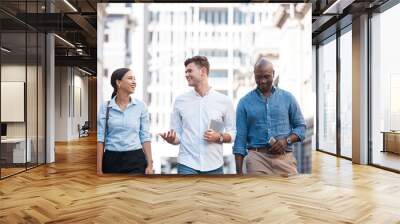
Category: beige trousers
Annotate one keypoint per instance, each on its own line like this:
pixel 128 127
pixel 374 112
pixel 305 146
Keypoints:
pixel 262 163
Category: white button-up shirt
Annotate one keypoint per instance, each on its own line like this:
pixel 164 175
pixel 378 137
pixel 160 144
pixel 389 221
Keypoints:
pixel 190 118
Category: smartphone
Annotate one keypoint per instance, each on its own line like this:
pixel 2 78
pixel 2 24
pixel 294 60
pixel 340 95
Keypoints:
pixel 272 141
pixel 215 125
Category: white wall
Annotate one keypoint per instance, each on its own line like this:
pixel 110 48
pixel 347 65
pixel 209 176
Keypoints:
pixel 80 83
pixel 61 103
pixel 69 85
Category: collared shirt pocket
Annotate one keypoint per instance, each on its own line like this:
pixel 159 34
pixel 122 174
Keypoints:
pixel 279 113
pixel 280 119
pixel 256 116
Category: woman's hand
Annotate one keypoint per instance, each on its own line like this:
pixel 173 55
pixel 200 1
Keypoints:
pixel 149 170
pixel 149 159
pixel 99 172
pixel 99 164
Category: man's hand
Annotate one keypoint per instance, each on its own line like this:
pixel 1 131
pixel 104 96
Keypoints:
pixel 169 136
pixel 279 147
pixel 211 136
pixel 239 163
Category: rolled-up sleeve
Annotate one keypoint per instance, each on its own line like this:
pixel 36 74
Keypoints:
pixel 144 132
pixel 239 147
pixel 229 121
pixel 296 119
pixel 101 121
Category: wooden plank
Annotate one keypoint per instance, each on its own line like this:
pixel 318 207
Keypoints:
pixel 69 191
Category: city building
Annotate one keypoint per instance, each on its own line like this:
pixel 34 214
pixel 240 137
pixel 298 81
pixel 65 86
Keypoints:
pixel 48 79
pixel 232 36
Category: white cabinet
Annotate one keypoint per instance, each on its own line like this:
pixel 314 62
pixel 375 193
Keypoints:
pixel 18 149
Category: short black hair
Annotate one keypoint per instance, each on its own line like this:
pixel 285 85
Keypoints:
pixel 200 61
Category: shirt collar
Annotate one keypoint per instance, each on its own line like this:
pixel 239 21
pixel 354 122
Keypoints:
pixel 114 105
pixel 259 93
pixel 207 93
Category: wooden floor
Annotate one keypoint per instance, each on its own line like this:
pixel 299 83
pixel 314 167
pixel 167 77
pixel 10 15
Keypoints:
pixel 10 171
pixel 70 192
pixel 387 159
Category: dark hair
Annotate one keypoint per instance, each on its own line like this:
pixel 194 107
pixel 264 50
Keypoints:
pixel 200 61
pixel 117 75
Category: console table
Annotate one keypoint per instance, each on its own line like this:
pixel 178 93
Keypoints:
pixel 13 150
pixel 391 141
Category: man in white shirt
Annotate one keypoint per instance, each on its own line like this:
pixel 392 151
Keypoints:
pixel 201 150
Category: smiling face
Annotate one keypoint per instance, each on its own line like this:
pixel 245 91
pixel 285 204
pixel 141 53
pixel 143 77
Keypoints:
pixel 127 83
pixel 264 76
pixel 194 75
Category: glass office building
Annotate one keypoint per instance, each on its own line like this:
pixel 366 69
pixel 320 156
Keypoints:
pixel 357 73
pixel 22 62
pixel 47 77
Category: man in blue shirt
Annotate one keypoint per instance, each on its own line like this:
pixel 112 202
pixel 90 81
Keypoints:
pixel 268 122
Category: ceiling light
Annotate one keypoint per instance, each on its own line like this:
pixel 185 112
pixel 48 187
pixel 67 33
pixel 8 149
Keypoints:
pixel 331 7
pixel 70 5
pixel 64 40
pixel 338 6
pixel 5 50
pixel 86 72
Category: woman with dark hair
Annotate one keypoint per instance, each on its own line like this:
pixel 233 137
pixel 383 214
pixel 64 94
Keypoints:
pixel 123 130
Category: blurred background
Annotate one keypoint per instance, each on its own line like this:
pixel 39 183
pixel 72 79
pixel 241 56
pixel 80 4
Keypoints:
pixel 155 39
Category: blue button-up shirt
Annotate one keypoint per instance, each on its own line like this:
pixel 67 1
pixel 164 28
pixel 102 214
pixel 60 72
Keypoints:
pixel 128 129
pixel 259 118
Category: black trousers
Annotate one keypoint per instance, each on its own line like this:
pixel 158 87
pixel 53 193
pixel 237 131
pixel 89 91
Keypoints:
pixel 124 162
